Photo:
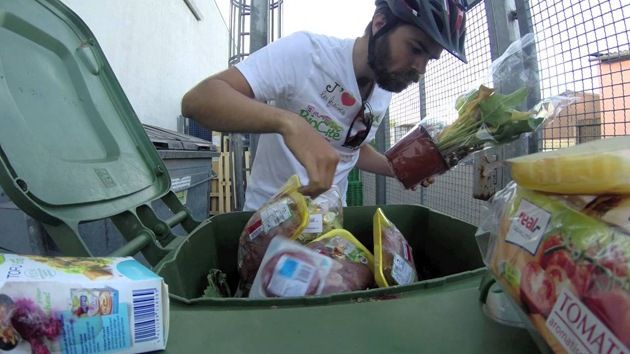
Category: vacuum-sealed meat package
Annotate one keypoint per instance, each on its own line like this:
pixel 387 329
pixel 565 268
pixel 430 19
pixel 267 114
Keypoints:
pixel 284 214
pixel 290 269
pixel 393 256
pixel 353 269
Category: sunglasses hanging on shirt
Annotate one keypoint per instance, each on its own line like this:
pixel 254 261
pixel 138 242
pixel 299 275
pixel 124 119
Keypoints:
pixel 360 127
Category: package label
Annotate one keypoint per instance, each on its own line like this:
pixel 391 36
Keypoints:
pixel 274 215
pixel 528 226
pixel 401 271
pixel 291 277
pixel 315 224
pixel 578 330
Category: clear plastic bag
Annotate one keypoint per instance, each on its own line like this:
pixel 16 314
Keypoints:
pixel 290 269
pixel 325 214
pixel 564 266
pixel 393 256
pixel 596 167
pixel 284 214
pixel 482 117
pixel 353 269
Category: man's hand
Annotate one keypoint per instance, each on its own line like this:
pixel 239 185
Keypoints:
pixel 427 182
pixel 314 153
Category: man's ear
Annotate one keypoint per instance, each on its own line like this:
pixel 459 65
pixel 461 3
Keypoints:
pixel 378 21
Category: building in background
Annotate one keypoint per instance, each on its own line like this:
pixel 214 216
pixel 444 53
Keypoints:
pixel 158 50
pixel 578 123
pixel 615 80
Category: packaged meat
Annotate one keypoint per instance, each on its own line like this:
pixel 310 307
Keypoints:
pixel 284 214
pixel 568 271
pixel 290 269
pixel 325 213
pixel 393 257
pixel 353 269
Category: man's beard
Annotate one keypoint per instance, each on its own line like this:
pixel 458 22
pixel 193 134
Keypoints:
pixel 391 81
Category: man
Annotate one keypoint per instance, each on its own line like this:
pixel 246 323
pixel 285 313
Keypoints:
pixel 329 95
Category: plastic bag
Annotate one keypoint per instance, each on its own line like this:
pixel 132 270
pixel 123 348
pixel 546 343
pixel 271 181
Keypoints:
pixel 284 214
pixel 568 271
pixel 325 214
pixel 353 269
pixel 482 116
pixel 393 257
pixel 290 269
pixel 596 167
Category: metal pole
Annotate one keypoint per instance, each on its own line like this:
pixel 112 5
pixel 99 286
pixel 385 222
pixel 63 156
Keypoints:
pixel 524 17
pixel 381 145
pixel 422 92
pixel 503 30
pixel 259 38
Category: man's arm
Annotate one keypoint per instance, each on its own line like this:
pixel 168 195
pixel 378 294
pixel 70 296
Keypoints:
pixel 373 161
pixel 225 102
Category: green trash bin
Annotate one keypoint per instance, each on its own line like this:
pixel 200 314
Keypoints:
pixel 74 151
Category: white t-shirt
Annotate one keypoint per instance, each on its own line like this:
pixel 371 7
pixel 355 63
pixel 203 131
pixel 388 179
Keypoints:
pixel 313 76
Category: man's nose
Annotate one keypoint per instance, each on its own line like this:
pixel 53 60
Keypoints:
pixel 420 64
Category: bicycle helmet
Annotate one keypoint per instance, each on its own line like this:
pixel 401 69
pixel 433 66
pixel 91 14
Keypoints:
pixel 443 20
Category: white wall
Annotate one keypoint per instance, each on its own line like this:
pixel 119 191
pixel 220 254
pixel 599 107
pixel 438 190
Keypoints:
pixel 158 49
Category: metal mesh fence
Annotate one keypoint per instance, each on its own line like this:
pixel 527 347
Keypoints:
pixel 582 49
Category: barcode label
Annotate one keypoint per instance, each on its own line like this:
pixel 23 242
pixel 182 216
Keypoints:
pixel 291 277
pixel 304 274
pixel 275 214
pixel 315 224
pixel 145 315
pixel 402 271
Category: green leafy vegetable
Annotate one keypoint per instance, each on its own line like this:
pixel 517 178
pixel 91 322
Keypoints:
pixel 486 116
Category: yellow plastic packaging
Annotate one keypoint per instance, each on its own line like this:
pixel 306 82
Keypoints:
pixel 354 255
pixel 354 262
pixel 393 257
pixel 285 214
pixel 597 167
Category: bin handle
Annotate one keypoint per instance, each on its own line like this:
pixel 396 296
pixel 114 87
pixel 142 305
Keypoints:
pixel 484 287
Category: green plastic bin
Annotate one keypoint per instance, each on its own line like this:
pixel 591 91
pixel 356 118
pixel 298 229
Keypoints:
pixel 354 195
pixel 441 314
pixel 73 151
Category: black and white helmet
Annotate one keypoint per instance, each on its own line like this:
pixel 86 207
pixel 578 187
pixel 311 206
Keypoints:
pixel 443 20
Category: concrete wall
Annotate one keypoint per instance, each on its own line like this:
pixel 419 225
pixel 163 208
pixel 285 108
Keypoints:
pixel 158 49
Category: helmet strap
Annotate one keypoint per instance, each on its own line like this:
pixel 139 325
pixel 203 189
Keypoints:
pixel 391 23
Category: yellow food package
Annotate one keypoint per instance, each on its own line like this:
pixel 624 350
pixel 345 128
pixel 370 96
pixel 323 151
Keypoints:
pixel 353 269
pixel 393 257
pixel 596 167
pixel 284 214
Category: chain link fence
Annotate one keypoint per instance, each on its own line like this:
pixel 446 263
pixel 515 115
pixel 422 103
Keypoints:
pixel 582 50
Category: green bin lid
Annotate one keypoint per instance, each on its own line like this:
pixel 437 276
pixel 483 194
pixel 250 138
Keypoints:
pixel 71 147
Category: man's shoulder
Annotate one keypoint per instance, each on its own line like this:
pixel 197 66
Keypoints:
pixel 318 40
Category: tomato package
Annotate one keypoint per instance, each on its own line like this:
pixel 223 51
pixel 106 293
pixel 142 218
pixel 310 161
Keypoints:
pixel 325 214
pixel 284 214
pixel 393 257
pixel 566 269
pixel 290 269
pixel 353 269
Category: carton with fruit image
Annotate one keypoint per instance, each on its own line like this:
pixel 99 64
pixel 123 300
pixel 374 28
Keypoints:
pixel 76 305
pixel 567 270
